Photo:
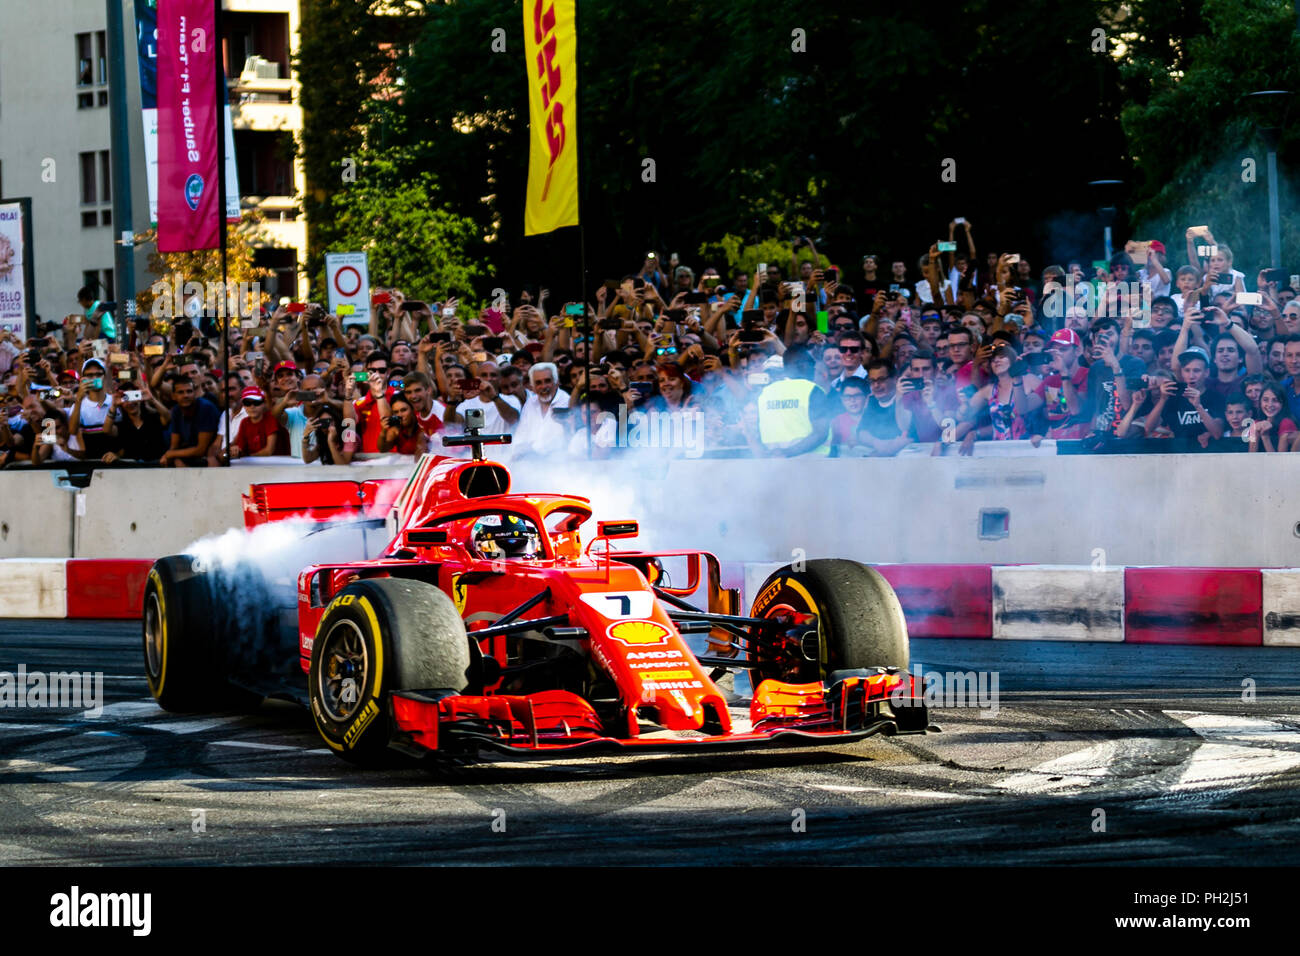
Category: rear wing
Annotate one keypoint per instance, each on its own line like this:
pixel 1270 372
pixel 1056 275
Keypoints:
pixel 320 501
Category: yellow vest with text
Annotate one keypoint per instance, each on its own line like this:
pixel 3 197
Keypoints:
pixel 785 413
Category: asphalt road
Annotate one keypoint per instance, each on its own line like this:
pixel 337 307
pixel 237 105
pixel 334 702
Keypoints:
pixel 1095 754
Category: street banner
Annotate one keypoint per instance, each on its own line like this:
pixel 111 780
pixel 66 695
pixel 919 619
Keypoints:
pixel 550 58
pixel 348 277
pixel 146 43
pixel 188 165
pixel 17 308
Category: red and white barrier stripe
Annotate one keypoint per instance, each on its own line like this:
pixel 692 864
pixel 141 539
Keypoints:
pixel 72 587
pixel 1236 606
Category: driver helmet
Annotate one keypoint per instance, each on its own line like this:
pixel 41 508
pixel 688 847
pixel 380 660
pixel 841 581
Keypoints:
pixel 505 536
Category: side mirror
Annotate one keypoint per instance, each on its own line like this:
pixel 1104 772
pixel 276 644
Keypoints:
pixel 617 529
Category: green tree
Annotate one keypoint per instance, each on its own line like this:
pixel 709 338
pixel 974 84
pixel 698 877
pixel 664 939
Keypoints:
pixel 413 240
pixel 1190 126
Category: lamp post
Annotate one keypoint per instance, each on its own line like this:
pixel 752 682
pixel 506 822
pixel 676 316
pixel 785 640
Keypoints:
pixel 1270 103
pixel 1108 211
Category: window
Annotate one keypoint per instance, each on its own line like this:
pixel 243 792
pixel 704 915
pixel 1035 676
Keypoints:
pixel 92 69
pixel 100 281
pixel 96 172
pixel 85 66
pixel 88 179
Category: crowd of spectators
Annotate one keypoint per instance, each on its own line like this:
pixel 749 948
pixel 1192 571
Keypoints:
pixel 797 358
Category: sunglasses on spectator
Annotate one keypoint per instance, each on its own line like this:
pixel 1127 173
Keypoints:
pixel 249 402
pixel 851 348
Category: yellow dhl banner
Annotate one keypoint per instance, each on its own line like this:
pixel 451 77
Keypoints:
pixel 550 55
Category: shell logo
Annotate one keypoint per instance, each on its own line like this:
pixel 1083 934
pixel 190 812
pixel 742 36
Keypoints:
pixel 638 632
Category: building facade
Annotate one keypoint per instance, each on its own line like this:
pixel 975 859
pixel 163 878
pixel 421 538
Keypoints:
pixel 55 140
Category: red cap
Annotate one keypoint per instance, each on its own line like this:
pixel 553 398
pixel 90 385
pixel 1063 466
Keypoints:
pixel 1066 337
pixel 1158 246
pixel 534 347
pixel 291 366
pixel 252 392
pixel 70 372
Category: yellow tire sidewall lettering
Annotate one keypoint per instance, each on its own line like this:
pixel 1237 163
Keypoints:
pixel 162 627
pixel 348 738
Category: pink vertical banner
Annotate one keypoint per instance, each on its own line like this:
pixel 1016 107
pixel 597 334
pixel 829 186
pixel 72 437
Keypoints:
pixel 188 160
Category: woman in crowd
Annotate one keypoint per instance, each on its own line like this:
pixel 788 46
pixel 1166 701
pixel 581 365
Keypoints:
pixel 1276 430
pixel 402 433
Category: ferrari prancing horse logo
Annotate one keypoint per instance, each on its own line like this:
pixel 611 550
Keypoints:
pixel 459 593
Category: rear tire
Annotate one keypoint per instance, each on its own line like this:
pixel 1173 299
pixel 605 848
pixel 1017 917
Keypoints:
pixel 859 622
pixel 191 638
pixel 381 635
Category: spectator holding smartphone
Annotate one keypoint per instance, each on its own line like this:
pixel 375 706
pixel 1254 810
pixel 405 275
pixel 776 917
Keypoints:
pixel 91 411
pixel 140 426
pixel 1010 397
pixel 326 439
pixel 1186 409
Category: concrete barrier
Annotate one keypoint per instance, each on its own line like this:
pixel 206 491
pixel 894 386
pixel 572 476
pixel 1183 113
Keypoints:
pixel 35 515
pixel 1058 603
pixel 1068 510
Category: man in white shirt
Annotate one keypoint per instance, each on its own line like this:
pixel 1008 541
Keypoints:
pixel 538 431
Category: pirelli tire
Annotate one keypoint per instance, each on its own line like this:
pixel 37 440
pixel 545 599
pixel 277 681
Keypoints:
pixel 859 621
pixel 185 663
pixel 382 635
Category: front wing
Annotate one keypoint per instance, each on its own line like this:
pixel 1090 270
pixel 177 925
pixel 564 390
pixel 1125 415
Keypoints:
pixel 558 722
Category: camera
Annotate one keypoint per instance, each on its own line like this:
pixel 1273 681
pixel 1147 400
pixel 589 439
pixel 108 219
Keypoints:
pixel 474 418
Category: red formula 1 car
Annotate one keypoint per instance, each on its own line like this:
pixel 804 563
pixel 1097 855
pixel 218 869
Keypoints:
pixel 464 618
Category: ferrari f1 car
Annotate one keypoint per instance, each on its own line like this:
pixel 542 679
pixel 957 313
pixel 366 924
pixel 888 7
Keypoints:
pixel 465 619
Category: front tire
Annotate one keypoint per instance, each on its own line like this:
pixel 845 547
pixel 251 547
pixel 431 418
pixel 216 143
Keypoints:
pixel 842 615
pixel 378 636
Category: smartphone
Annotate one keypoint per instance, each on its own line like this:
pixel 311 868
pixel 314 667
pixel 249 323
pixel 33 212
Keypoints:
pixel 831 275
pixel 132 395
pixel 751 319
pixel 118 358
pixel 679 315
pixel 712 282
pixel 296 308
pixel 1013 258
pixel 492 343
pixel 960 221
pixel 612 285
pixel 1250 298
pixel 360 377
pixel 125 376
pixel 153 350
pixel 947 247
pixel 610 324
pixel 758 379
pixel 642 388
pixel 448 313
pixel 479 356
pixel 695 298
pixel 304 395
pixel 381 298
pixel 95 383
pixel 1206 252
pixel 1295 283
pixel 575 308
pixel 409 306
pixel 440 337
pixel 762 267
pixel 346 309
pixel 750 335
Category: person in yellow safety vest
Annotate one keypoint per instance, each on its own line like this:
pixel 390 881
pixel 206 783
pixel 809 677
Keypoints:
pixel 793 416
